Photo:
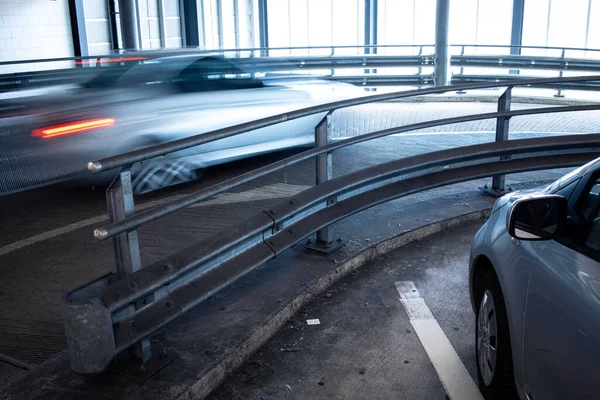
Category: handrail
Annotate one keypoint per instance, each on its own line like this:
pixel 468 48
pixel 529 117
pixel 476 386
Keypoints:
pixel 290 48
pixel 130 158
pixel 196 140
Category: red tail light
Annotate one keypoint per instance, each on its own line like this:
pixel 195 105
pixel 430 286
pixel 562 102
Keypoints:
pixel 73 128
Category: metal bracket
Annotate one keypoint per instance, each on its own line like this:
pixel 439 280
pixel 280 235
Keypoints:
pixel 140 371
pixel 495 192
pixel 326 247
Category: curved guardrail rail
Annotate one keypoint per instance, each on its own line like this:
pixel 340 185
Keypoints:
pixel 101 320
pixel 256 60
pixel 182 144
pixel 123 310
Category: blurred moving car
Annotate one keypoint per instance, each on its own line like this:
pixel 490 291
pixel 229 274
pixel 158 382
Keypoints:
pixel 144 101
pixel 535 289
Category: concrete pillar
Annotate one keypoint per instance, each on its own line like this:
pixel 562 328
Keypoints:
pixel 129 24
pixel 442 49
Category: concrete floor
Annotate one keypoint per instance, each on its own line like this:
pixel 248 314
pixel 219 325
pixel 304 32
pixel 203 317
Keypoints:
pixel 365 346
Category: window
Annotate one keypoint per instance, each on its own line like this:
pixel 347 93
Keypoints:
pixel 212 73
pixel 582 232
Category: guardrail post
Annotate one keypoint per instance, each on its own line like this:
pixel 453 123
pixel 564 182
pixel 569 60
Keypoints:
pixel 324 172
pixel 560 74
pixel 126 246
pixel 502 126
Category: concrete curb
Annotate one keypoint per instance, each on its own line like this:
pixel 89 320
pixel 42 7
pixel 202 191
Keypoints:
pixel 232 361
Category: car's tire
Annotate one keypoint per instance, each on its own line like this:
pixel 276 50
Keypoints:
pixel 157 175
pixel 492 340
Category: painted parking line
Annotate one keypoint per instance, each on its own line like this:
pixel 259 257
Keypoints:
pixel 452 373
pixel 275 191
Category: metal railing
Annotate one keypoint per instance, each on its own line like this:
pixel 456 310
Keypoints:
pixel 121 311
pixel 256 60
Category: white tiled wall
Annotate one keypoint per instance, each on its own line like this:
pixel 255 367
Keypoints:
pixel 32 29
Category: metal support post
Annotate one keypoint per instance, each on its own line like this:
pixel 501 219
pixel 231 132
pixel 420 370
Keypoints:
pixel 502 127
pixel 263 27
pixel 516 35
pixel 370 32
pixel 442 48
pixel 112 25
pixel 161 24
pixel 126 245
pixel 190 12
pixel 324 172
pixel 129 24
pixel 78 28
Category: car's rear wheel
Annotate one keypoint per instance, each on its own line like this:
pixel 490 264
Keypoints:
pixel 157 175
pixel 494 356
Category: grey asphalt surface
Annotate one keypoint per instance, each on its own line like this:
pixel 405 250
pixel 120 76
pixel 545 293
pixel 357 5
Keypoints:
pixel 365 346
pixel 35 276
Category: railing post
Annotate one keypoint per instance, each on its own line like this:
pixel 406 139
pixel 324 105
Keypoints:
pixel 560 74
pixel 324 172
pixel 126 246
pixel 502 128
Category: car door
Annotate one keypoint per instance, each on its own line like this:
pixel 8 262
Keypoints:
pixel 215 94
pixel 561 353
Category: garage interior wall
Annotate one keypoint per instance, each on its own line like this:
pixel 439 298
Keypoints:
pixel 34 29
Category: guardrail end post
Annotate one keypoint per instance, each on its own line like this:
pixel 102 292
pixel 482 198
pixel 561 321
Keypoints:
pixel 324 172
pixel 502 127
pixel 126 246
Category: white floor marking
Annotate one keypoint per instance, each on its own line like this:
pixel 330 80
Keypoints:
pixel 454 376
pixel 275 191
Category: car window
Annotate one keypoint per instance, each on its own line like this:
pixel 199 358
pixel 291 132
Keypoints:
pixel 584 236
pixel 212 73
pixel 590 199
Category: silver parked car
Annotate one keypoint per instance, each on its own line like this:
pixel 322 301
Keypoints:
pixel 146 99
pixel 535 289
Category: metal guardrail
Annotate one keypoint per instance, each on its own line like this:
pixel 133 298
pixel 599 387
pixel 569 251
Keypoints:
pixel 121 311
pixel 255 60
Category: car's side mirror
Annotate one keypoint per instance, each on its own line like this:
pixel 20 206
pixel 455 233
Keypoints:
pixel 537 218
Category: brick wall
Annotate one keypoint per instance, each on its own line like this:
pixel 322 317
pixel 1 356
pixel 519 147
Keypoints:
pixel 32 29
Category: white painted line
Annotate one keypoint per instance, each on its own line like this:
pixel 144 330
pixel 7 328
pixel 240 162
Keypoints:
pixel 454 376
pixel 275 191
pixel 313 321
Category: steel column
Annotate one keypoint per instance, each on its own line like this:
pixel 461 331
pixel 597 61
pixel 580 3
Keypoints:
pixel 263 26
pixel 78 28
pixel 128 16
pixel 370 29
pixel 112 22
pixel 442 49
pixel 190 25
pixel 220 23
pixel 161 24
pixel 516 33
pixel 119 197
